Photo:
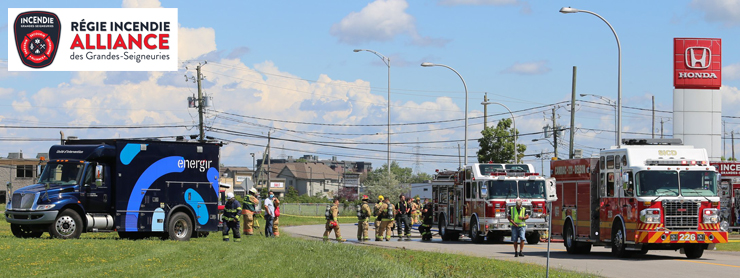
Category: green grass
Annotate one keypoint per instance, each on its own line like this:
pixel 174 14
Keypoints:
pixel 102 254
pixel 730 246
pixel 2 207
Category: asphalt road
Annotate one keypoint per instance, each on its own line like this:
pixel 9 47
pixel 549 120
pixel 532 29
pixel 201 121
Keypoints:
pixel 599 261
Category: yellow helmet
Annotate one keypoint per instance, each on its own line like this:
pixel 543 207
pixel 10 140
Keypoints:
pixel 380 197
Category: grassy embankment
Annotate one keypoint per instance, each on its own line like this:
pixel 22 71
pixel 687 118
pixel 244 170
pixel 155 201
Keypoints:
pixel 103 254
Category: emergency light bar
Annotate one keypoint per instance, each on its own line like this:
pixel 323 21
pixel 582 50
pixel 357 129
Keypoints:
pixel 676 162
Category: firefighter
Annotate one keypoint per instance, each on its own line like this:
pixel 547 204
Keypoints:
pixel 517 216
pixel 402 218
pixel 231 217
pixel 275 224
pixel 415 211
pixel 386 212
pixel 331 222
pixel 426 225
pixel 376 212
pixel 362 217
pixel 250 204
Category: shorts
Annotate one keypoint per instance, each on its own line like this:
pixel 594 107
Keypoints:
pixel 517 233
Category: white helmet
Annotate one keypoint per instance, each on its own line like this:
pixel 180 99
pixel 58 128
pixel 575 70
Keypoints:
pixel 253 191
pixel 229 195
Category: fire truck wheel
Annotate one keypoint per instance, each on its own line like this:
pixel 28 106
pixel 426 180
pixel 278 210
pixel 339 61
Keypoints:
pixel 618 244
pixel 24 231
pixel 475 235
pixel 533 238
pixel 443 228
pixel 694 251
pixel 67 225
pixel 180 227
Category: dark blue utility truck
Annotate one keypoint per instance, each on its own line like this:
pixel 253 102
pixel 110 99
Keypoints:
pixel 138 188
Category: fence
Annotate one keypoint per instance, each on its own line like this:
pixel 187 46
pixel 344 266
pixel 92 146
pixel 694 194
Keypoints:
pixel 317 209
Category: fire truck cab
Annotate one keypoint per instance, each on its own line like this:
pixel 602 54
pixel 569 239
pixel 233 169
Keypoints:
pixel 649 194
pixel 475 201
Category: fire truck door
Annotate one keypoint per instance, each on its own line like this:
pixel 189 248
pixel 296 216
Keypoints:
pixel 459 203
pixel 736 206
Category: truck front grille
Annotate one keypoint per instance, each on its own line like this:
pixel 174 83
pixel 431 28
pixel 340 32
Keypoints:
pixel 681 215
pixel 23 200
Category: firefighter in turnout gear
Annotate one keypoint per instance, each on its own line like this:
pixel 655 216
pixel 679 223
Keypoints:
pixel 331 222
pixel 231 217
pixel 363 215
pixel 251 203
pixel 386 218
pixel 426 223
pixel 376 212
pixel 403 210
pixel 275 224
pixel 415 211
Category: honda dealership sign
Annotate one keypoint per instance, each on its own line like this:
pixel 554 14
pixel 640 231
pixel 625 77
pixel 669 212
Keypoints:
pixel 92 39
pixel 697 63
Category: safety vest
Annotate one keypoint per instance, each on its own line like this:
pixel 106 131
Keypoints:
pixel 231 211
pixel 249 203
pixel 518 216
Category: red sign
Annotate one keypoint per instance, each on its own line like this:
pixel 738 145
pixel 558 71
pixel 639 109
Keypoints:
pixel 697 63
pixel 727 169
pixel 572 169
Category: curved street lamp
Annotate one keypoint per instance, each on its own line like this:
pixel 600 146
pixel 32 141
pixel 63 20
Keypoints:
pixel 513 123
pixel 427 64
pixel 387 62
pixel 569 10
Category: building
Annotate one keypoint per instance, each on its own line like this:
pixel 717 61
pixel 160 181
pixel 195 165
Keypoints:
pixel 309 178
pixel 235 177
pixel 338 166
pixel 17 171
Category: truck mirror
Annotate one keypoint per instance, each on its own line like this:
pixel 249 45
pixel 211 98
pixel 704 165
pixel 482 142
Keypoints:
pixel 483 192
pixel 550 191
pixel 98 175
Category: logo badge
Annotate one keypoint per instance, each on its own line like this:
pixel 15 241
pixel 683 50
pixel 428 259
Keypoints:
pixel 37 37
pixel 704 61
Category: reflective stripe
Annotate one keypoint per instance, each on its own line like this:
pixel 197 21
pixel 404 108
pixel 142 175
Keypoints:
pixel 517 217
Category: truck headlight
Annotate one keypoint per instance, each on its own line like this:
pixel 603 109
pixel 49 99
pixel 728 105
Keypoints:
pixel 711 216
pixel 650 216
pixel 44 207
pixel 499 215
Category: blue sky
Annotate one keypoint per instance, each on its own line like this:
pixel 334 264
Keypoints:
pixel 290 63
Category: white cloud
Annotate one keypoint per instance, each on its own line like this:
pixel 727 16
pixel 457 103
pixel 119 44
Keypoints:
pixel 731 72
pixel 194 42
pixel 141 4
pixel 529 68
pixel 381 20
pixel 478 2
pixel 730 98
pixel 726 12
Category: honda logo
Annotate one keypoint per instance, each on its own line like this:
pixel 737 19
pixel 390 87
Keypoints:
pixel 704 61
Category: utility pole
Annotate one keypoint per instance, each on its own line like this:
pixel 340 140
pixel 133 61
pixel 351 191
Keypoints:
pixel 572 115
pixel 724 141
pixel 485 110
pixel 661 127
pixel 732 135
pixel 653 122
pixel 459 163
pixel 198 78
pixel 554 133
pixel 269 157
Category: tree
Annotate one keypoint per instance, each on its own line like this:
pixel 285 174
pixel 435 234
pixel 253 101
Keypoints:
pixel 421 177
pixel 497 144
pixel 378 182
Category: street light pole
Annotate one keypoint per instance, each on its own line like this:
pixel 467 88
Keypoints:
pixel 513 123
pixel 612 104
pixel 387 62
pixel 568 10
pixel 427 64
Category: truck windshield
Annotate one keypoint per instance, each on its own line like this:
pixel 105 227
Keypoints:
pixel 698 183
pixel 499 189
pixel 518 167
pixel 530 189
pixel 61 173
pixel 657 183
pixel 487 169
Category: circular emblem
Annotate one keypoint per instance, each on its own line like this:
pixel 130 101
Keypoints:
pixel 37 46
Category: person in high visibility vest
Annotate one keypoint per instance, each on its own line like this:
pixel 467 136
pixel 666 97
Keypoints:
pixel 362 218
pixel 231 217
pixel 251 203
pixel 517 217
pixel 376 212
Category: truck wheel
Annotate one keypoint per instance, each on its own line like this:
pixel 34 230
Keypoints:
pixel 694 251
pixel 533 238
pixel 67 225
pixel 180 227
pixel 24 231
pixel 618 244
pixel 475 235
pixel 569 239
pixel 443 228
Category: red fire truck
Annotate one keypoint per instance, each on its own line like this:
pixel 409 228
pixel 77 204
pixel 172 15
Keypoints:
pixel 474 202
pixel 649 194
